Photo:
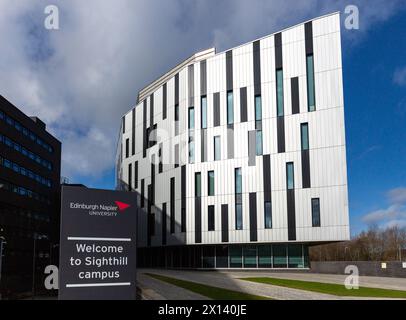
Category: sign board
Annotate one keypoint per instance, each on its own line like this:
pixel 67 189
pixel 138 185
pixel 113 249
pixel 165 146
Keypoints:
pixel 97 245
pixel 404 265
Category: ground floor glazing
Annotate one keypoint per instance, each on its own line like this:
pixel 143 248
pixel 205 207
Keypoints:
pixel 225 256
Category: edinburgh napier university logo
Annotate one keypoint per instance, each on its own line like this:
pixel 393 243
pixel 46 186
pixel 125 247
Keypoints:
pixel 97 248
pixel 101 209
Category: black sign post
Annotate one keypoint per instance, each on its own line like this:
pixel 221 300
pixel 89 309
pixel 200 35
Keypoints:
pixel 97 245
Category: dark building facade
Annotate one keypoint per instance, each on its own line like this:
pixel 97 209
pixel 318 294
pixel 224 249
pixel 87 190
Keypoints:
pixel 30 160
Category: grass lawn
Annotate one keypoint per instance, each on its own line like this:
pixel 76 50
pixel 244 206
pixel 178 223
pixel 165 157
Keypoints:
pixel 214 293
pixel 330 288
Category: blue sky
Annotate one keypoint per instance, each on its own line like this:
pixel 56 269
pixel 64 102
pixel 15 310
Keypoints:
pixel 81 78
pixel 375 114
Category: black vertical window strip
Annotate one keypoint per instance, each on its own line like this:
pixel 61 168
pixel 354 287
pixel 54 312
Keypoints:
pixel 203 78
pixel 164 101
pixel 144 130
pixel 280 114
pixel 257 67
pixel 198 220
pixel 309 37
pixel 224 223
pixel 198 208
pixel 267 177
pixel 133 132
pixel 253 216
pixel 164 217
pixel 216 109
pixel 229 70
pixel 127 148
pixel 172 204
pixel 151 110
pixel 153 180
pixel 136 174
pixel 160 166
pixel 149 216
pixel 142 193
pixel 243 104
pixel 177 88
pixel 294 85
pixel 183 198
pixel 130 176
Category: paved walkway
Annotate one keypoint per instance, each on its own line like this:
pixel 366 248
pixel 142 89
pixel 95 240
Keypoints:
pixel 229 280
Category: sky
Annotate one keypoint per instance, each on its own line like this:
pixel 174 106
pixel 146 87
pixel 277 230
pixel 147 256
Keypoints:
pixel 81 78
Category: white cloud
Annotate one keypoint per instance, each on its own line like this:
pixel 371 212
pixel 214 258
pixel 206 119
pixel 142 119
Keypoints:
pixel 399 77
pixel 394 214
pixel 397 195
pixel 83 77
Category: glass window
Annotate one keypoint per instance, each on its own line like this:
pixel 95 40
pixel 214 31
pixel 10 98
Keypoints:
pixel 230 107
pixel 210 218
pixel 290 176
pixel 304 131
pixel 268 215
pixel 311 100
pixel 127 148
pixel 238 216
pixel 305 256
pixel 264 256
pixel 258 108
pixel 250 257
pixel 204 112
pixel 316 212
pixel 258 142
pixel 295 256
pixel 210 178
pixel 217 148
pixel 7 164
pixel 208 256
pixel 222 257
pixel 191 149
pixel 198 184
pixel 191 118
pixel 176 119
pixel 279 256
pixel 238 180
pixel 235 257
pixel 279 92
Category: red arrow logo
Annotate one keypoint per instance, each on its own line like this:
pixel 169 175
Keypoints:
pixel 121 205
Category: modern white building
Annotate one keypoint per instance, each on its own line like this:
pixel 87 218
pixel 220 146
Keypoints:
pixel 238 158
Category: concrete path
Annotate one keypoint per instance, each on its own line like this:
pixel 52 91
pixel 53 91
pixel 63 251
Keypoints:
pixel 229 280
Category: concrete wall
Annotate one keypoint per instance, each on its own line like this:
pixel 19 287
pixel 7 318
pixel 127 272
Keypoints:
pixel 366 268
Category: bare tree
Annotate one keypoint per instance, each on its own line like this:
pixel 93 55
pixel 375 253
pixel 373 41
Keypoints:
pixel 374 244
